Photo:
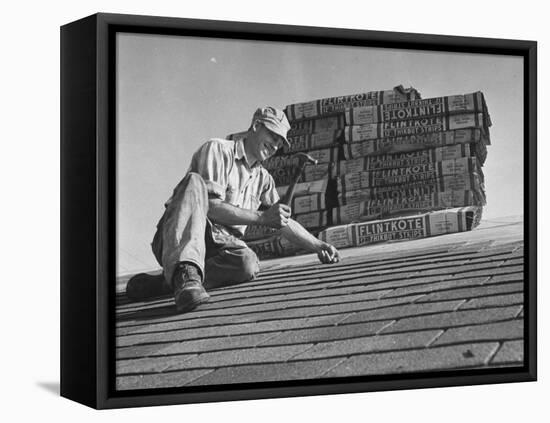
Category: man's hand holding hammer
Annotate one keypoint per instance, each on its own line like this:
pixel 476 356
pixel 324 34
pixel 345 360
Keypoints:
pixel 276 216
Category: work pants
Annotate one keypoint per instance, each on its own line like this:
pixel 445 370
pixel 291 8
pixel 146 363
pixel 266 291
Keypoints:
pixel 185 234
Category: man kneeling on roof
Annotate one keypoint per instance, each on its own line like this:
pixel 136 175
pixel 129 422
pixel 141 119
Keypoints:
pixel 198 240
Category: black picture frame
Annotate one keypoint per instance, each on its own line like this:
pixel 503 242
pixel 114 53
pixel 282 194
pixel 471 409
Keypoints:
pixel 88 196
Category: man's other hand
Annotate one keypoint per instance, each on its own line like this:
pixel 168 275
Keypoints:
pixel 276 216
pixel 328 254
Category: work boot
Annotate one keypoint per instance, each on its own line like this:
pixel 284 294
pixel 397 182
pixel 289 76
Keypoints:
pixel 142 286
pixel 188 289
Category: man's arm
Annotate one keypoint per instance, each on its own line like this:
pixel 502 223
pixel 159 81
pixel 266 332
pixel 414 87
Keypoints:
pixel 224 213
pixel 300 236
pixel 278 217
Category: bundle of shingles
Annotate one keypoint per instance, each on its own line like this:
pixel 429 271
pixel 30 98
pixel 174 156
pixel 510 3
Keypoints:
pixel 390 166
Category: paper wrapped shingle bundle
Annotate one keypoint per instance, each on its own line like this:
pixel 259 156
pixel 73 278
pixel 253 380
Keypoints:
pixel 403 228
pixel 331 106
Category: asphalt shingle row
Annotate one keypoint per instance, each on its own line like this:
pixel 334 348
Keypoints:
pixel 432 359
pixel 454 251
pixel 345 279
pixel 441 290
pixel 328 272
pixel 280 314
pixel 509 330
pixel 391 253
pixel 380 257
pixel 182 324
pixel 386 260
pixel 165 313
pixel 443 358
pixel 391 320
pixel 510 352
pixel 382 264
pixel 493 301
pixel 220 332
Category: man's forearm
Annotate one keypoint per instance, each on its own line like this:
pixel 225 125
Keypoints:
pixel 228 214
pixel 298 235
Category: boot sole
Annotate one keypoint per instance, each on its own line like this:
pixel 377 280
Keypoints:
pixel 191 305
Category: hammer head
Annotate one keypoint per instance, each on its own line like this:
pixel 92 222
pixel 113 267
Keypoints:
pixel 304 159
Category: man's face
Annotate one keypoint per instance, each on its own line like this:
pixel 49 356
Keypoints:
pixel 267 143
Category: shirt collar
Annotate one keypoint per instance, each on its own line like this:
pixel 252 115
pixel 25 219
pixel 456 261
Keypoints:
pixel 240 153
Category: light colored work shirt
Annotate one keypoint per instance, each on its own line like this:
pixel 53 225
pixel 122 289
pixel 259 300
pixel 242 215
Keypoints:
pixel 228 176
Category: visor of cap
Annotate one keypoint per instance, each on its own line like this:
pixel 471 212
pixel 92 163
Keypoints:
pixel 273 119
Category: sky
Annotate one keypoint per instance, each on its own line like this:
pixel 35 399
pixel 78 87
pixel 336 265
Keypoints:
pixel 174 93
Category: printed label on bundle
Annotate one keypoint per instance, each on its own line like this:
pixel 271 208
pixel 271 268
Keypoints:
pixel 285 175
pixel 460 169
pixel 403 228
pixel 394 229
pixel 265 248
pixel 414 126
pixel 410 143
pixel 305 188
pixel 313 126
pixel 339 236
pixel 312 141
pixel 369 209
pixel 331 105
pixel 468 103
pixel 308 203
pixel 396 160
pixel 312 220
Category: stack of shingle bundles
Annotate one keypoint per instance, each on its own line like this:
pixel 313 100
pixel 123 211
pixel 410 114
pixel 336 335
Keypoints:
pixel 432 186
pixel 412 157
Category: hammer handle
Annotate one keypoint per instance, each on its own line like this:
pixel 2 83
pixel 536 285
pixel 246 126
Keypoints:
pixel 289 194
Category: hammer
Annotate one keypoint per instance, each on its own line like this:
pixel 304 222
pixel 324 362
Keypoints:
pixel 303 160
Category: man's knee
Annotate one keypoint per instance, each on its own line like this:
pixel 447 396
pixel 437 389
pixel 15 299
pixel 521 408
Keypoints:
pixel 194 177
pixel 191 183
pixel 231 267
pixel 250 265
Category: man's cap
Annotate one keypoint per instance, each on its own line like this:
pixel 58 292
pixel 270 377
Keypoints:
pixel 273 119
